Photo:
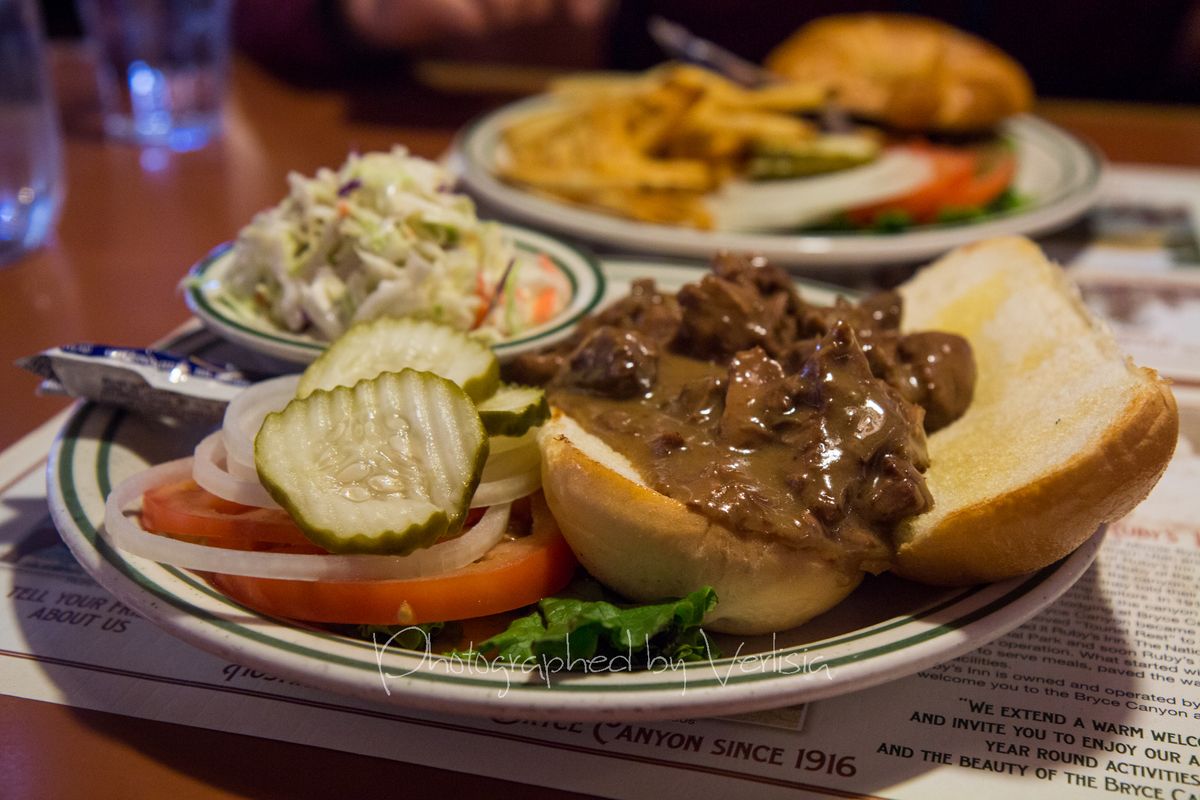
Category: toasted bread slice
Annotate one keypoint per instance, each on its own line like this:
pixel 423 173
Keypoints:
pixel 1064 432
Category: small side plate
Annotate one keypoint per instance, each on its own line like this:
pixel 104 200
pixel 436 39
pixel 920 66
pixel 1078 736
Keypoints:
pixel 206 294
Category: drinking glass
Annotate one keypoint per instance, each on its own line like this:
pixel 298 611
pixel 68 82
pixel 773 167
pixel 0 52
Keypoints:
pixel 31 185
pixel 163 68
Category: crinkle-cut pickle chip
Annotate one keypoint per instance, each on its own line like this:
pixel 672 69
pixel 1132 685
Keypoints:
pixel 386 466
pixel 391 344
pixel 513 410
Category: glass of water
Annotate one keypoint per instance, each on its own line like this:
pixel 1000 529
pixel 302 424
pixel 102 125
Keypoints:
pixel 163 68
pixel 30 141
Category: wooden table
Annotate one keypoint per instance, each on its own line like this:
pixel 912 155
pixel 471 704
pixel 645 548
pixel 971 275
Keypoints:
pixel 132 224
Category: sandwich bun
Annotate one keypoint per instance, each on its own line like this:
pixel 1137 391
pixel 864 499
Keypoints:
pixel 909 72
pixel 1064 433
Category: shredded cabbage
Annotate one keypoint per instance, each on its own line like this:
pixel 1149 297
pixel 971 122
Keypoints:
pixel 383 235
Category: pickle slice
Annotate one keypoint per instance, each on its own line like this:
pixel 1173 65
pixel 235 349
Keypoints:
pixel 829 153
pixel 386 466
pixel 391 344
pixel 513 410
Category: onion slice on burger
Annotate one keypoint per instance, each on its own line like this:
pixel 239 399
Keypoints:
pixel 209 470
pixel 244 416
pixel 122 531
pixel 508 489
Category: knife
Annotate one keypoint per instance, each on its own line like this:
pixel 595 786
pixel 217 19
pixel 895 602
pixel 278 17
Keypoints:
pixel 678 42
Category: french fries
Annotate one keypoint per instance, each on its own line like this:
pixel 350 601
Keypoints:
pixel 650 146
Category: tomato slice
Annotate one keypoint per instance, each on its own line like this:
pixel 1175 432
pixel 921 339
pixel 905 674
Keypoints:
pixel 960 179
pixel 185 509
pixel 514 573
pixel 994 172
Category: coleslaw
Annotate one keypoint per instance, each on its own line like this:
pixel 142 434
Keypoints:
pixel 385 235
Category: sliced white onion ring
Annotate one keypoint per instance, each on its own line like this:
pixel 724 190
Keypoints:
pixel 761 206
pixel 499 444
pixel 123 532
pixel 244 416
pixel 513 461
pixel 505 490
pixel 208 470
pixel 243 472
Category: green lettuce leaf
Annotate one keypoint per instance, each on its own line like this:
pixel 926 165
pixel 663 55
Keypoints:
pixel 404 637
pixel 574 632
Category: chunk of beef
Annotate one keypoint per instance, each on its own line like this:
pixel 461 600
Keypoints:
pixel 612 362
pixel 667 442
pixel 729 492
pixel 932 369
pixel 882 310
pixel 876 315
pixel 894 490
pixel 654 314
pixel 877 325
pixel 699 400
pixel 536 369
pixel 766 279
pixel 936 371
pixel 854 424
pixel 721 317
pixel 757 398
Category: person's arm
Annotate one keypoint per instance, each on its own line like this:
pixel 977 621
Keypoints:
pixel 325 40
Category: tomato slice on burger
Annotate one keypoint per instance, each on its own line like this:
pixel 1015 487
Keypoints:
pixel 994 172
pixel 184 509
pixel 517 572
pixel 514 573
pixel 960 178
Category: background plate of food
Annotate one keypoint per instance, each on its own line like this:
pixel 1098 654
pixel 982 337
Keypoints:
pixel 887 628
pixel 812 171
pixel 384 235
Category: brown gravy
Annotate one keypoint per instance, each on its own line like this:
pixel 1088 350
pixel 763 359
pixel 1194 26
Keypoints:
pixel 769 416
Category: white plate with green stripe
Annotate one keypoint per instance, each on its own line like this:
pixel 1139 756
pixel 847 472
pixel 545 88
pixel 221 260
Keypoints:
pixel 887 629
pixel 206 292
